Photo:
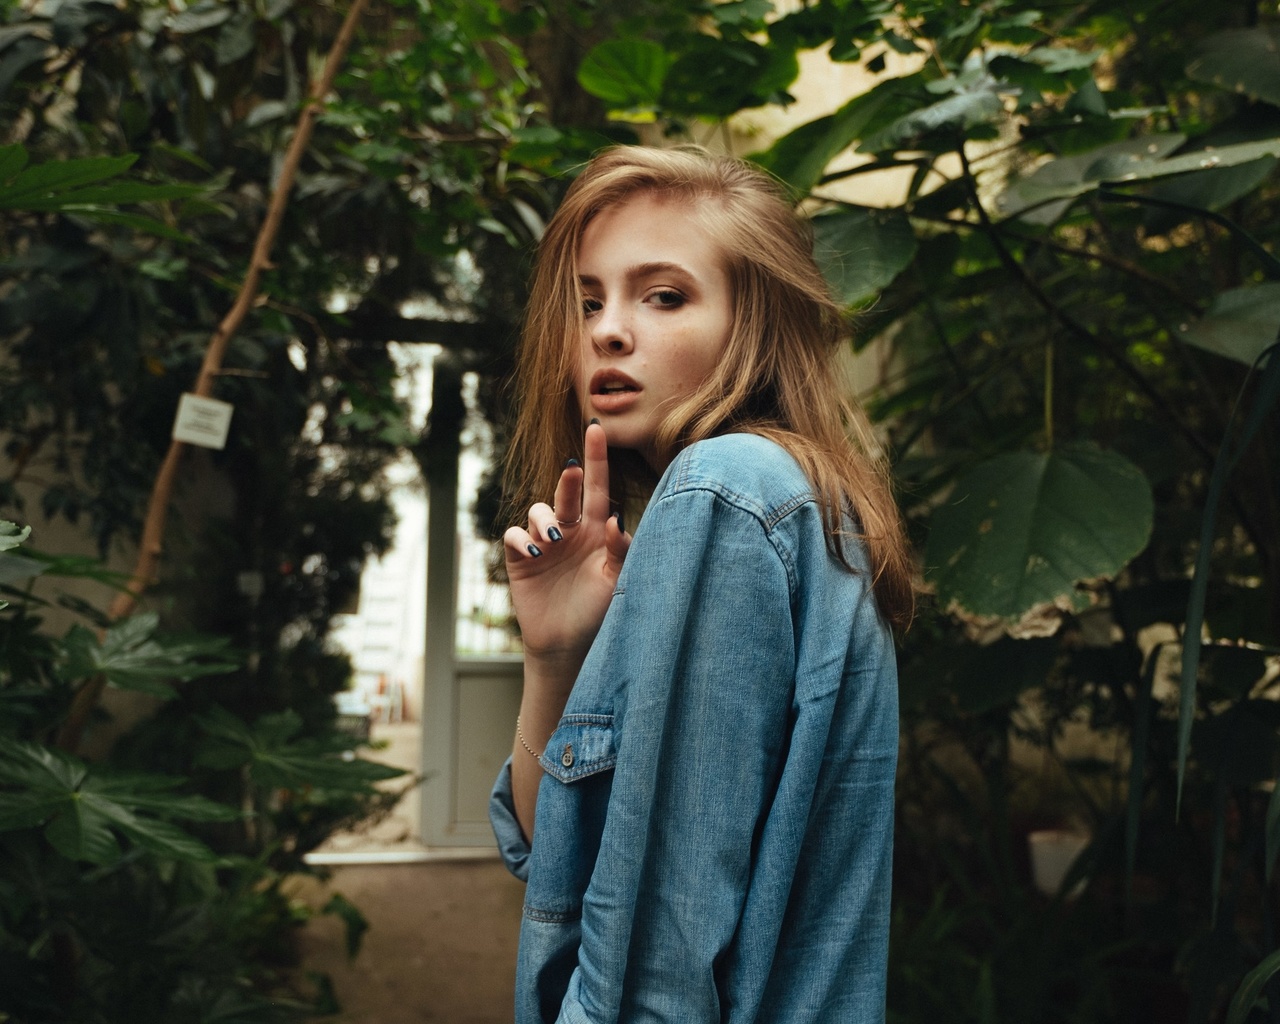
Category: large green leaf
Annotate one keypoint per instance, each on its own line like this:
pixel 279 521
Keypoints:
pixel 1245 60
pixel 1025 528
pixel 54 177
pixel 84 812
pixel 1240 323
pixel 862 249
pixel 1211 189
pixel 1045 194
pixel 801 156
pixel 276 761
pixel 967 107
pixel 110 195
pixel 625 73
pixel 132 657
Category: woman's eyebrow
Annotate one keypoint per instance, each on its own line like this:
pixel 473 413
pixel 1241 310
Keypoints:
pixel 642 270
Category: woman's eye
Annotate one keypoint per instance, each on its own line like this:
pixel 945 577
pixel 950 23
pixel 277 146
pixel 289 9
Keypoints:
pixel 590 306
pixel 666 298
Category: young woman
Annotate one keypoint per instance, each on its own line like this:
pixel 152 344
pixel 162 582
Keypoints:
pixel 700 794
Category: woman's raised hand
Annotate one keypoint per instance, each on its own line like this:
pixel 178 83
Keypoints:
pixel 564 564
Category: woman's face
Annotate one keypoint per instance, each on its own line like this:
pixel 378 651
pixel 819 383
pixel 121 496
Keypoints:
pixel 658 310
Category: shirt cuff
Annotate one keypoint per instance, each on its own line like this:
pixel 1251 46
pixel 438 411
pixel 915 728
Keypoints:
pixel 506 828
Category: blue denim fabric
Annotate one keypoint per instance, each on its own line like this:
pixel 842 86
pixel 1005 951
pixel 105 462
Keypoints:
pixel 715 827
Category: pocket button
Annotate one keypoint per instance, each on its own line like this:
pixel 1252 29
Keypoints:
pixel 566 758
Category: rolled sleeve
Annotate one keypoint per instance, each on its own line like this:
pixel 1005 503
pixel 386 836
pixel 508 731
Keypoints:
pixel 506 829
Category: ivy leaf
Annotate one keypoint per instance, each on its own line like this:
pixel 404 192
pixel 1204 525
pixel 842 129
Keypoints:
pixel 1240 323
pixel 625 73
pixel 1024 528
pixel 861 249
pixel 1245 60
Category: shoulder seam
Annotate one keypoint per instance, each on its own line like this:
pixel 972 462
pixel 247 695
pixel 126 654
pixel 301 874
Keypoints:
pixel 767 519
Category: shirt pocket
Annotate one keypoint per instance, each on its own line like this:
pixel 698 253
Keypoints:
pixel 582 745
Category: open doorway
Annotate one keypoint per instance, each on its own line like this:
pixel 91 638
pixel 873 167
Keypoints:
pixel 436 666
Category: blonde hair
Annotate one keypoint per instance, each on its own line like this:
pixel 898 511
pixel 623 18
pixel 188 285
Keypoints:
pixel 777 377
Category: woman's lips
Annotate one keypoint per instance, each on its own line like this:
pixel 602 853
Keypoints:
pixel 613 391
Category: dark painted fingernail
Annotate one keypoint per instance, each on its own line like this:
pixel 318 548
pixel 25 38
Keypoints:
pixel 554 533
pixel 621 528
pixel 571 463
pixel 534 550
pixel 595 421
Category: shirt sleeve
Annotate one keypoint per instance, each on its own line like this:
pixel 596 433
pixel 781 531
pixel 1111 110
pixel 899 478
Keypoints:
pixel 700 638
pixel 512 844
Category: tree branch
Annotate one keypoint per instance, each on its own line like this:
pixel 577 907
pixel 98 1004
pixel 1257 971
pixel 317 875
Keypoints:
pixel 151 546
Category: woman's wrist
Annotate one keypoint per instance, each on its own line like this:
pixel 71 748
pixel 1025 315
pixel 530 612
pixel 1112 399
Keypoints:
pixel 552 670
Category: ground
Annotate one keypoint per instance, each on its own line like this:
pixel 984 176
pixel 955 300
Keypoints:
pixel 441 944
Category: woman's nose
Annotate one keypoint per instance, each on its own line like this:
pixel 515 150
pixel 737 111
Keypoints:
pixel 611 330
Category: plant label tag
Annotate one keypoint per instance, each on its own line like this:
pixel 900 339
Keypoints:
pixel 202 421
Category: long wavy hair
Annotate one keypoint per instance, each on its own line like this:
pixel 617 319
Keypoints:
pixel 777 378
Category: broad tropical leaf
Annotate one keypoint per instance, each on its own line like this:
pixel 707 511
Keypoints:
pixel 862 249
pixel 801 156
pixel 1242 60
pixel 1240 323
pixel 1045 194
pixel 1025 528
pixel 625 73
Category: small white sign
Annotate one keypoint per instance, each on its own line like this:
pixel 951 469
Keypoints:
pixel 202 421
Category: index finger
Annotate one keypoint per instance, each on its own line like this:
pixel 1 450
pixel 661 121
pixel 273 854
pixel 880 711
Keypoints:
pixel 595 469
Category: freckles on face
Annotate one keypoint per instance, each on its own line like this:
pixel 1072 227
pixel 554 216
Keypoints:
pixel 657 314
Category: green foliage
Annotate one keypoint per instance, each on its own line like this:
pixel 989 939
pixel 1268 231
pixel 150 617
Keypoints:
pixel 154 893
pixel 1023 528
pixel 1072 294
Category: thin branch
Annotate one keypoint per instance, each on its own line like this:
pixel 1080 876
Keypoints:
pixel 151 547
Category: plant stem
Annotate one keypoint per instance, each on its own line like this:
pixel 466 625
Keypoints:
pixel 1048 393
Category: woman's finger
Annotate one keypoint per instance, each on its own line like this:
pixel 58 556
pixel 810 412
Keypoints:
pixel 568 507
pixel 595 473
pixel 616 543
pixel 519 546
pixel 543 524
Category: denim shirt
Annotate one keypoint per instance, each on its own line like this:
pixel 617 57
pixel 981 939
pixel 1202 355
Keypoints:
pixel 715 825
